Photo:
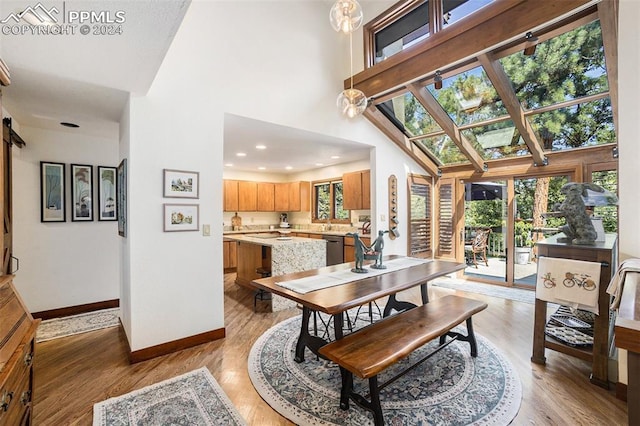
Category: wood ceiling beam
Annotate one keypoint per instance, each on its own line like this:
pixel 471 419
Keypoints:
pixel 451 129
pixel 502 84
pixel 482 31
pixel 392 132
pixel 608 14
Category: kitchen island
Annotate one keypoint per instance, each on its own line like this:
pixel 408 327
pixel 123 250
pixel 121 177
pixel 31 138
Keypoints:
pixel 278 253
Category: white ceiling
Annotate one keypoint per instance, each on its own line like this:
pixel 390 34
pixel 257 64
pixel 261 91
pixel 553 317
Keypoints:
pixel 86 79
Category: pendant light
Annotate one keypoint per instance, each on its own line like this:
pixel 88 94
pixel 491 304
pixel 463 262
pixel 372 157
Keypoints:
pixel 346 16
pixel 352 102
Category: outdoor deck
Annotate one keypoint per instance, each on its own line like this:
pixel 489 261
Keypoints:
pixel 524 274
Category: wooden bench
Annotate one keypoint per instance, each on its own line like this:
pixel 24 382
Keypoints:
pixel 370 350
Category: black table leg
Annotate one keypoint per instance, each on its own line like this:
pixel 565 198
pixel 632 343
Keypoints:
pixel 306 340
pixel 396 304
pixel 424 291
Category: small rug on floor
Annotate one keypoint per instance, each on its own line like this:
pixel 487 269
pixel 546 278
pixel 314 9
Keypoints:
pixel 517 294
pixel 450 388
pixel 194 398
pixel 76 324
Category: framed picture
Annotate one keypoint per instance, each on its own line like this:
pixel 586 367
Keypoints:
pixel 181 217
pixel 81 193
pixel 181 184
pixel 107 184
pixel 52 189
pixel 121 193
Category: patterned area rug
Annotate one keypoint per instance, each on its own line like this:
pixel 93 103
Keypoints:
pixel 450 388
pixel 194 398
pixel 518 294
pixel 76 324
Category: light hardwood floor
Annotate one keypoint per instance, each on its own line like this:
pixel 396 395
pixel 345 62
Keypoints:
pixel 73 373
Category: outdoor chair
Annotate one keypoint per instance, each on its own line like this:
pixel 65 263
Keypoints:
pixel 478 247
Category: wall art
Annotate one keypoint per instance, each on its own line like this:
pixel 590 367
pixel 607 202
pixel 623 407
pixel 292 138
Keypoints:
pixel 52 192
pixel 81 193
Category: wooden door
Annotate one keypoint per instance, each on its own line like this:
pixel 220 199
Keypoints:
pixel 231 195
pixel 283 197
pixel 7 208
pixel 266 197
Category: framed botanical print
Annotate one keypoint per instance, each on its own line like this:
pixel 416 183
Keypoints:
pixel 81 193
pixel 181 184
pixel 52 191
pixel 107 184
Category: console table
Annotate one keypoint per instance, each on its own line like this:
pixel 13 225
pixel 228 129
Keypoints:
pixel 605 253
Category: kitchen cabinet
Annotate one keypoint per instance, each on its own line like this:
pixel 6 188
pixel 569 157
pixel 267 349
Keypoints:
pixel 350 249
pixel 230 256
pixel 354 186
pixel 266 197
pixel 247 196
pixel 231 196
pixel 282 197
pixel 299 196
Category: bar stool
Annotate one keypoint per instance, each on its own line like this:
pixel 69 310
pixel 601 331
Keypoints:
pixel 261 294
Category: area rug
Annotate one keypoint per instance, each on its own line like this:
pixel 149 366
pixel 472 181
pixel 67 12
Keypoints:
pixel 76 324
pixel 194 398
pixel 518 294
pixel 450 388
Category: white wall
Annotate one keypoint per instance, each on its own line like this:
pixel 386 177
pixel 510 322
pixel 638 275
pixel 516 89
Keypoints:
pixel 69 263
pixel 287 70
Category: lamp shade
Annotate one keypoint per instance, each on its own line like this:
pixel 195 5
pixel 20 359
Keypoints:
pixel 352 102
pixel 346 16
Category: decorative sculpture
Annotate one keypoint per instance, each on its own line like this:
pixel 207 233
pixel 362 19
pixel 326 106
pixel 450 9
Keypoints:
pixel 359 253
pixel 579 228
pixel 375 251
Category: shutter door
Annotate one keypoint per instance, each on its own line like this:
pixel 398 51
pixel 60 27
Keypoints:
pixel 446 215
pixel 420 216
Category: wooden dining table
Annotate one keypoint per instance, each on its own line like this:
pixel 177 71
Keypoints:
pixel 363 289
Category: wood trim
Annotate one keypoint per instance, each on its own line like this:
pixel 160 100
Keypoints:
pixel 621 391
pixel 396 136
pixel 501 83
pixel 508 19
pixel 175 345
pixel 442 118
pixel 77 309
pixel 608 14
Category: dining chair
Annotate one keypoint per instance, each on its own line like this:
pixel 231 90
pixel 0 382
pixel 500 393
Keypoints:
pixel 478 247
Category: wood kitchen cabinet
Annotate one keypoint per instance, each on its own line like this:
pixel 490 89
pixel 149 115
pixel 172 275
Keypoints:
pixel 356 190
pixel 266 197
pixel 231 196
pixel 299 196
pixel 247 196
pixel 350 249
pixel 230 256
pixel 282 197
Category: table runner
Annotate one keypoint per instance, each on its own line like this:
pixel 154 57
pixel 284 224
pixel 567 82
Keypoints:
pixel 318 282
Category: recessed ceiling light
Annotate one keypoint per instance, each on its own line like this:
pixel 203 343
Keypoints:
pixel 241 154
pixel 67 124
pixel 288 167
pixel 319 164
pixel 262 168
pixel 229 165
pixel 335 157
pixel 261 147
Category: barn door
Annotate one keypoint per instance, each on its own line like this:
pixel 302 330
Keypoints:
pixel 7 241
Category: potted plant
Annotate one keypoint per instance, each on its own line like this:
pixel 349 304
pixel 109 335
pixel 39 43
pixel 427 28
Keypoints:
pixel 523 242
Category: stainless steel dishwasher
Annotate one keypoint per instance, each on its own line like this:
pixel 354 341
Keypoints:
pixel 335 249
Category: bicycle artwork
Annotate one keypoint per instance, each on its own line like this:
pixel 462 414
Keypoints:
pixel 583 281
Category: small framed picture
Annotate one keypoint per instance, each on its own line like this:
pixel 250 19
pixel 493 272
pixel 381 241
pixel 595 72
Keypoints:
pixel 181 184
pixel 52 190
pixel 121 192
pixel 181 217
pixel 81 193
pixel 107 184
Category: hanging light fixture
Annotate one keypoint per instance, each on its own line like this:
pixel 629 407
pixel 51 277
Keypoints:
pixel 346 16
pixel 437 80
pixel 352 102
pixel 532 41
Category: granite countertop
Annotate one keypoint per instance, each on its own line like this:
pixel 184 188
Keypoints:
pixel 273 239
pixel 340 233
